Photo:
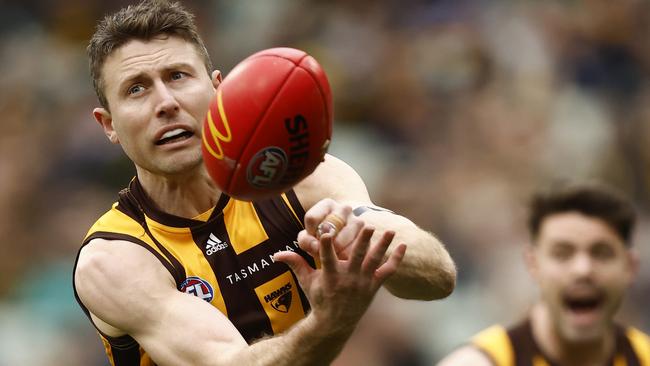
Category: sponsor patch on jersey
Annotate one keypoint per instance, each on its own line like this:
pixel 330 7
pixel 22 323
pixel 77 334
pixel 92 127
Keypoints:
pixel 198 287
pixel 280 299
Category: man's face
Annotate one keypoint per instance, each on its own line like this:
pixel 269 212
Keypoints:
pixel 158 92
pixel 583 269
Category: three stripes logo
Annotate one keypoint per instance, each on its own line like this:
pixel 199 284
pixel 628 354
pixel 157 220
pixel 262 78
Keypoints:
pixel 214 245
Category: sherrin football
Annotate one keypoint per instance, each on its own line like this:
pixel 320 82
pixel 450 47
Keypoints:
pixel 269 124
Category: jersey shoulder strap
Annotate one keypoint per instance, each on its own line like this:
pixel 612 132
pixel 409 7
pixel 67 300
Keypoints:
pixel 640 343
pixel 495 343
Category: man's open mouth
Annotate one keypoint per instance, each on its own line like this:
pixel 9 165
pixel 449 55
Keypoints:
pixel 174 135
pixel 583 303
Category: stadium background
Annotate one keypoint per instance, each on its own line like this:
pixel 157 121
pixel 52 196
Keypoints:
pixel 453 112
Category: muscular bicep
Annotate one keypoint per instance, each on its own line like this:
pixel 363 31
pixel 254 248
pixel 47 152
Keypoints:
pixel 127 288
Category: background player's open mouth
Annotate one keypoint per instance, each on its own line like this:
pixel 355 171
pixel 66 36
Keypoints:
pixel 583 304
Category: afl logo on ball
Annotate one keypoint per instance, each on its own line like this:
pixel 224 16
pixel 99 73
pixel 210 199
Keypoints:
pixel 198 287
pixel 267 167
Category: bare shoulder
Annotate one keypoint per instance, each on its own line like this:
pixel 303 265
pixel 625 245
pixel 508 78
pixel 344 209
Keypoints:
pixel 466 356
pixel 334 179
pixel 104 280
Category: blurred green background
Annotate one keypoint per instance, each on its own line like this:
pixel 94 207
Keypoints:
pixel 453 111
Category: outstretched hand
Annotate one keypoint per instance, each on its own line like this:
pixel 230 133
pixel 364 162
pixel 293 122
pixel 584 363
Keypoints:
pixel 343 288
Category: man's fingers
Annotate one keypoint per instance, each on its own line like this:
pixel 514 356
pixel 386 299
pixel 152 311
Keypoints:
pixel 360 248
pixel 388 268
pixel 319 213
pixel 376 254
pixel 297 263
pixel 346 237
pixel 327 255
pixel 308 243
pixel 331 224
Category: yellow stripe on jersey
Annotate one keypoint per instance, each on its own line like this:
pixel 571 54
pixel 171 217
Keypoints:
pixel 495 342
pixel 145 359
pixel 619 360
pixel 243 225
pixel 109 350
pixel 189 254
pixel 539 361
pixel 281 301
pixel 641 345
pixel 286 201
pixel 118 222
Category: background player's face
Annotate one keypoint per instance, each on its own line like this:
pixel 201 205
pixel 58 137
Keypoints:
pixel 583 269
pixel 158 92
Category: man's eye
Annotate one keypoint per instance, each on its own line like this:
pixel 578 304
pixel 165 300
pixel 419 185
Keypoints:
pixel 135 89
pixel 177 75
pixel 561 253
pixel 602 252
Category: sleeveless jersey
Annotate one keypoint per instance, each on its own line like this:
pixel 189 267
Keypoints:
pixel 516 347
pixel 223 256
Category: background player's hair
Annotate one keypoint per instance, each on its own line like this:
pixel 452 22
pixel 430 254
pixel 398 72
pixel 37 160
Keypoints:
pixel 146 20
pixel 591 199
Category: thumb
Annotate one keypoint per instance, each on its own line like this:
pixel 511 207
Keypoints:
pixel 297 263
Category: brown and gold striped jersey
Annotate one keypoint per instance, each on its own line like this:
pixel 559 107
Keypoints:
pixel 516 347
pixel 224 256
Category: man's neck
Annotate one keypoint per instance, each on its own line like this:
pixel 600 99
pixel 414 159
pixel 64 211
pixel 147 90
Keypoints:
pixel 566 352
pixel 185 195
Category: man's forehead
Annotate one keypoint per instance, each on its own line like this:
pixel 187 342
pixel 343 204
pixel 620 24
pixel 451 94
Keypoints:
pixel 576 228
pixel 137 56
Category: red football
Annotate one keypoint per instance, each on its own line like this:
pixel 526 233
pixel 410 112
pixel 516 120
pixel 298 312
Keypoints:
pixel 269 124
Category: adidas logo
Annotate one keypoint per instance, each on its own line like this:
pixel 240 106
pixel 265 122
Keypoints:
pixel 214 245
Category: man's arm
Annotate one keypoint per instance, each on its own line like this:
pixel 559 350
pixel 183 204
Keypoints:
pixel 467 355
pixel 427 271
pixel 129 292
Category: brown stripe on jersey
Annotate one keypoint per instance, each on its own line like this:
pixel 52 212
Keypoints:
pixel 130 207
pixel 624 347
pixel 523 344
pixel 124 354
pixel 243 308
pixel 278 222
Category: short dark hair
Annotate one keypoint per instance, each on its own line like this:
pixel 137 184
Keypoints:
pixel 588 198
pixel 144 21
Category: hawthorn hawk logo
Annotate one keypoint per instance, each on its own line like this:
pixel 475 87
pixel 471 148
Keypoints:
pixel 280 299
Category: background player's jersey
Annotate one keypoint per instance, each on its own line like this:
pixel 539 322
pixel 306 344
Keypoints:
pixel 516 347
pixel 224 256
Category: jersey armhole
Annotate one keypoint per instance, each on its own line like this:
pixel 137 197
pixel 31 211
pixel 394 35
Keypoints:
pixel 125 343
pixel 495 343
pixel 125 237
pixel 641 344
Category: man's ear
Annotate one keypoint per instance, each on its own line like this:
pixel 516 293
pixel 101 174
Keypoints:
pixel 216 78
pixel 632 258
pixel 103 117
pixel 530 259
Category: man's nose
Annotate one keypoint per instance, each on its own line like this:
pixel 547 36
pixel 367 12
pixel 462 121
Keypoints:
pixel 167 105
pixel 582 265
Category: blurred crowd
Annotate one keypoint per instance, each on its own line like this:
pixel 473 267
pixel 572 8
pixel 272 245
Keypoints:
pixel 453 111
